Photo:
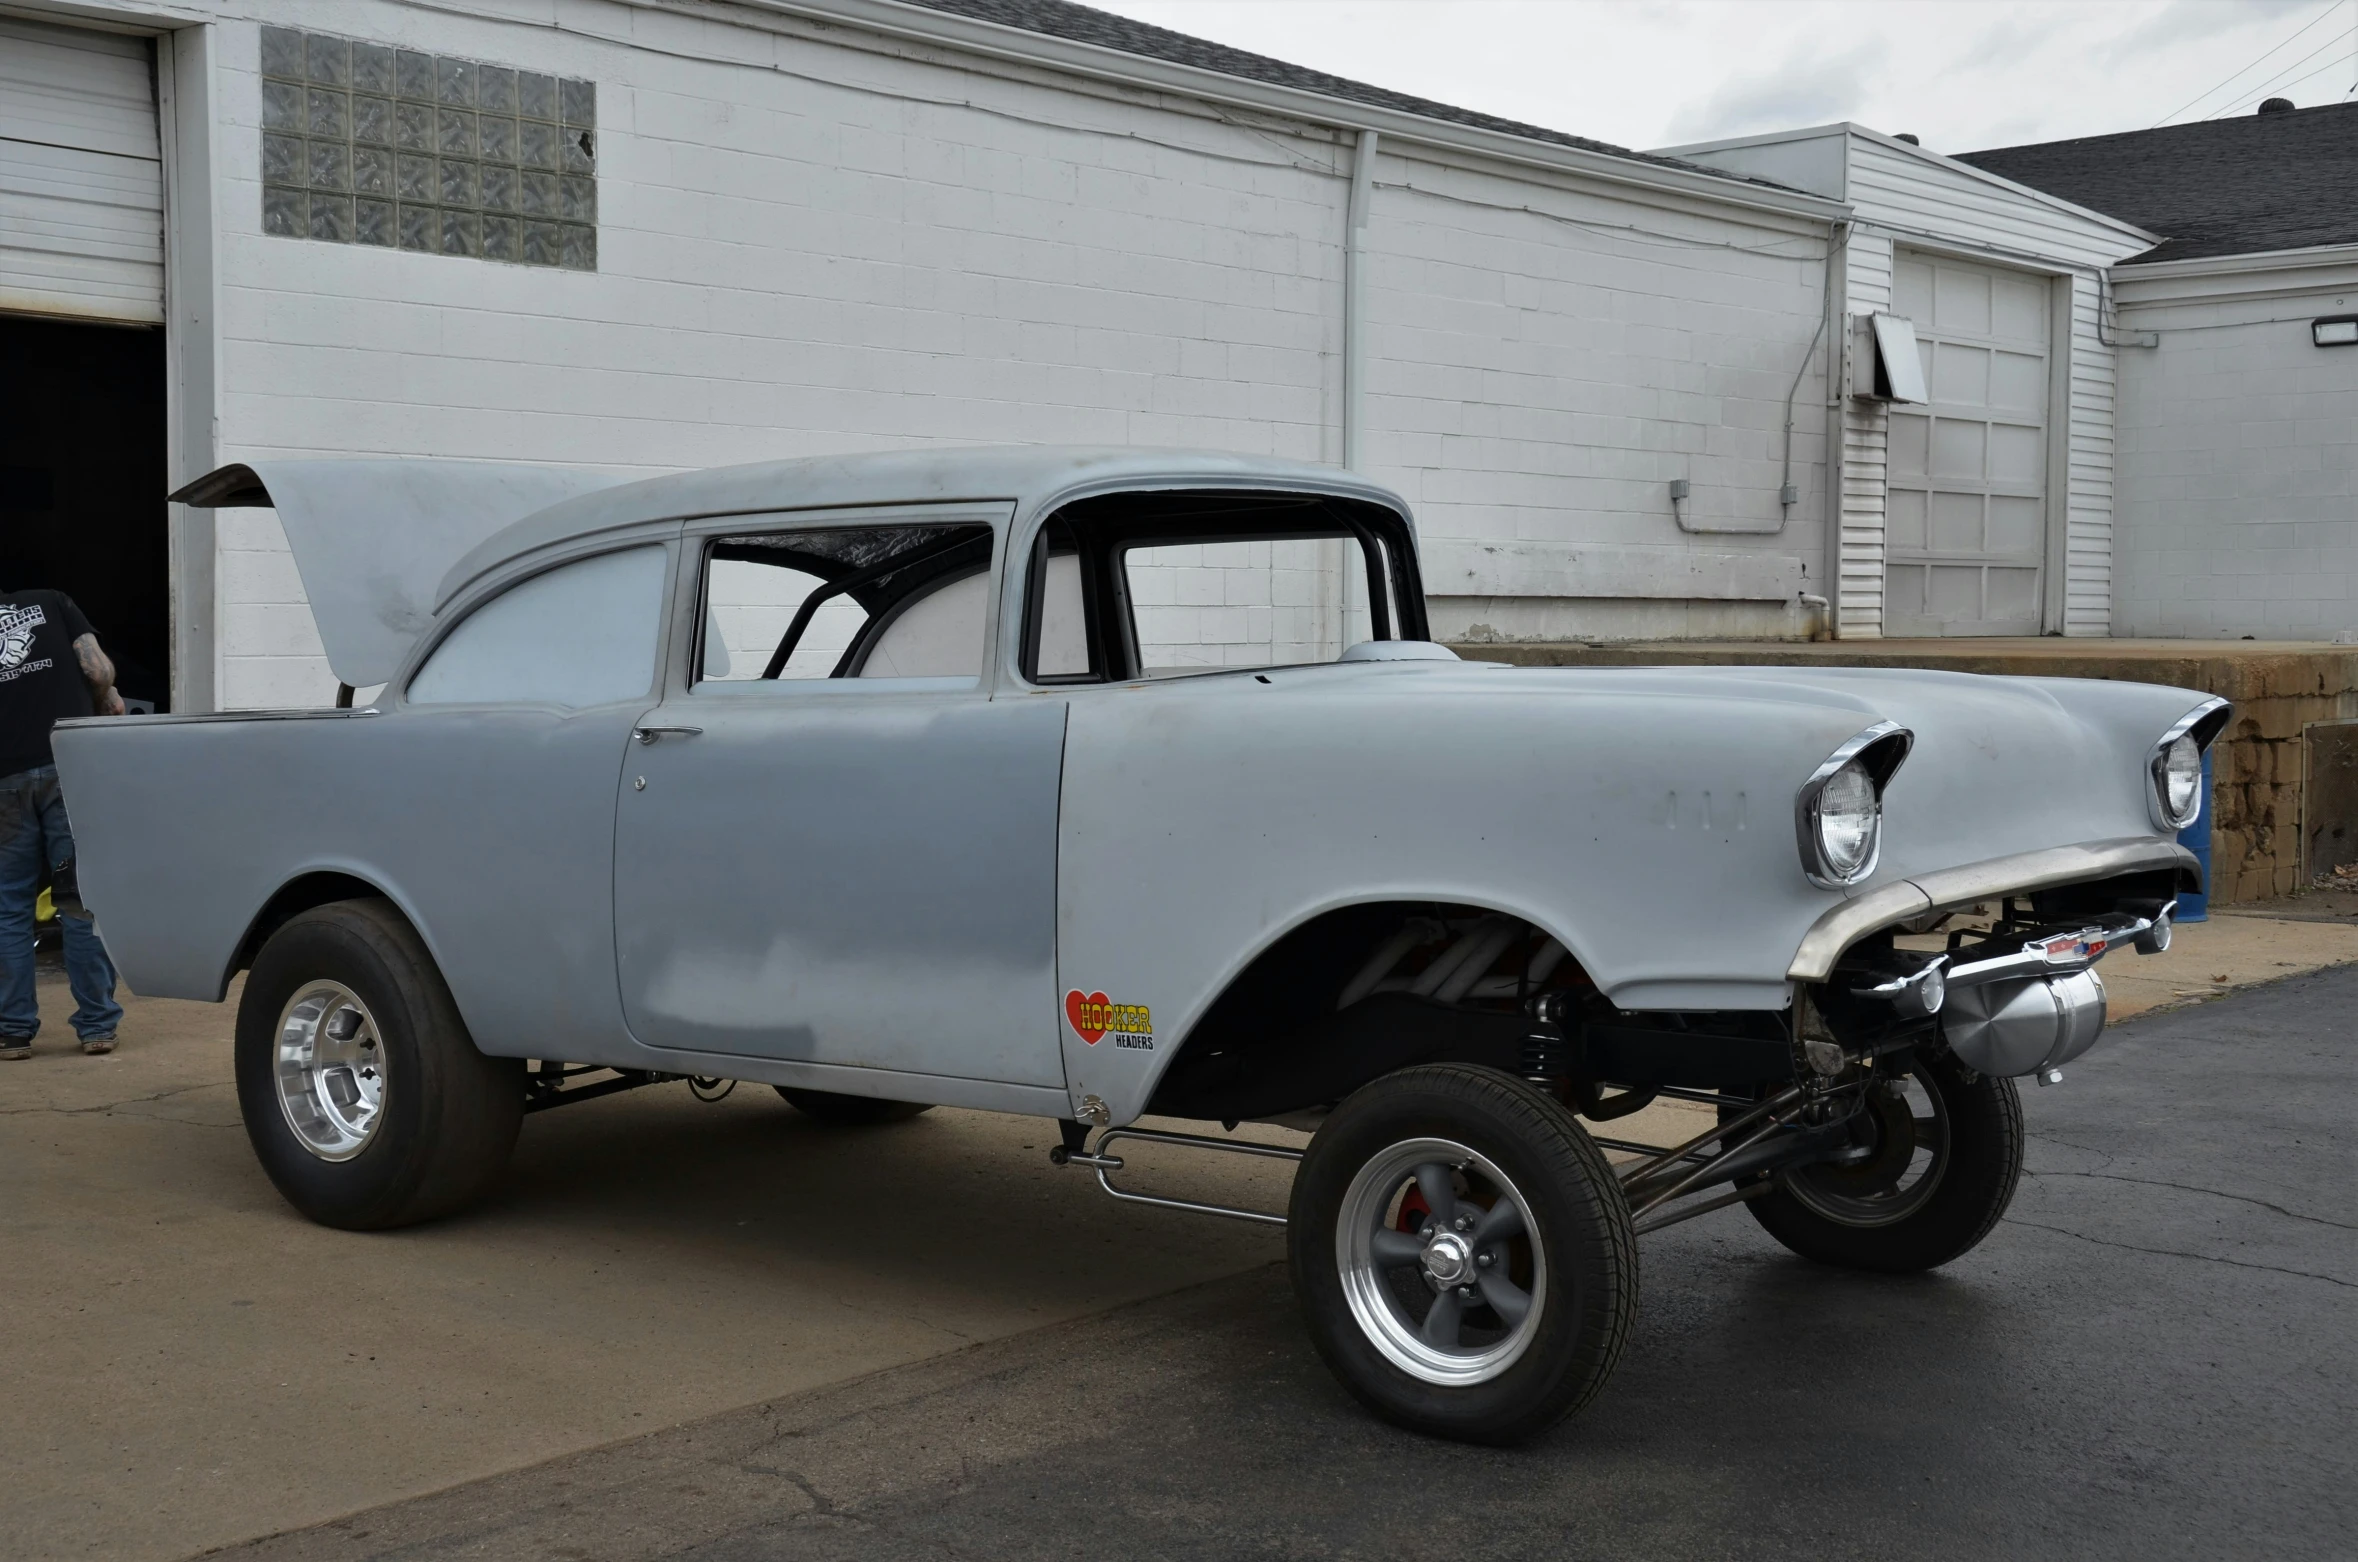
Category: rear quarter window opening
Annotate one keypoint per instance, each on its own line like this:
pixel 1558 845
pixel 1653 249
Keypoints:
pixel 1129 586
pixel 580 634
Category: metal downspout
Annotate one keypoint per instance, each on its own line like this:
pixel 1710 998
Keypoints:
pixel 1837 325
pixel 1363 156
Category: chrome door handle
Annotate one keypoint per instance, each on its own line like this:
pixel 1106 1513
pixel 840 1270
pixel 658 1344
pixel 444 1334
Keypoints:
pixel 649 734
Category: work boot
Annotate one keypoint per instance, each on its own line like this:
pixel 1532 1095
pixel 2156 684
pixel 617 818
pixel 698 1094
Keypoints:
pixel 99 1045
pixel 14 1047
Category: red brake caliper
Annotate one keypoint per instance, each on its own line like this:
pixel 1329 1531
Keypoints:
pixel 1413 1211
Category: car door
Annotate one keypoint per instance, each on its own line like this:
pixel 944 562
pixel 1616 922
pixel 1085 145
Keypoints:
pixel 832 845
pixel 493 774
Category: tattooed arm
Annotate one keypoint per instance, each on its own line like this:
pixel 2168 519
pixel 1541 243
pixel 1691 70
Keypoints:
pixel 99 673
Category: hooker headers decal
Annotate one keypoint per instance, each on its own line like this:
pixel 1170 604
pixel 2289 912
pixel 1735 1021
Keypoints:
pixel 1093 1019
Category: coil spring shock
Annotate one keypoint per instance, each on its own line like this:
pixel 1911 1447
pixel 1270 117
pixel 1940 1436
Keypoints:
pixel 1547 1057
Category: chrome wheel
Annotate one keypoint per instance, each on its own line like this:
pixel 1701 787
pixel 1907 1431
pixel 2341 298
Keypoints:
pixel 330 1069
pixel 1441 1261
pixel 1907 1153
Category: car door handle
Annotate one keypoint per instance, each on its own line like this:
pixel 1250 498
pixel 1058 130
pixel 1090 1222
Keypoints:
pixel 649 734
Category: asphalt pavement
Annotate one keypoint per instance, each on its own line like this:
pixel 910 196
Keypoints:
pixel 2154 1356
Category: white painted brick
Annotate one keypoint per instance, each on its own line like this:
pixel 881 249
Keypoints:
pixel 276 683
pixel 260 579
pixel 265 629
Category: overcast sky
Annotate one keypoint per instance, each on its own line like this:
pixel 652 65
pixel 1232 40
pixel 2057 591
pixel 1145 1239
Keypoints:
pixel 1961 74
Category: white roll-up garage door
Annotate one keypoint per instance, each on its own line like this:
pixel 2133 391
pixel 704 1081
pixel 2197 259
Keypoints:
pixel 81 174
pixel 1967 502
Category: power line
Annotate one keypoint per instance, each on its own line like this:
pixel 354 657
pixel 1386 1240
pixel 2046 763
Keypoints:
pixel 2264 55
pixel 2319 71
pixel 2330 7
pixel 2254 94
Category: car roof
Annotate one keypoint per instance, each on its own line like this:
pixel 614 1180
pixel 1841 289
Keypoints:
pixel 1028 476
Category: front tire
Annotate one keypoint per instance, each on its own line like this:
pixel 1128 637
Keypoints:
pixel 1947 1146
pixel 365 1099
pixel 1507 1312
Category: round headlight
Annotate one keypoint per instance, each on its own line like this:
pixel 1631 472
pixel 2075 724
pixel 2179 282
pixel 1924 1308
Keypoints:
pixel 1838 813
pixel 2177 781
pixel 1848 812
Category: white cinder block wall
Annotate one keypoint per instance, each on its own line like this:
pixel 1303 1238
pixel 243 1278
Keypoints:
pixel 808 247
pixel 2239 441
pixel 1545 361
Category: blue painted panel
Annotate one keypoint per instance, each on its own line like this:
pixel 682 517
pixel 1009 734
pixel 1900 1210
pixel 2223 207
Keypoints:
pixel 2196 838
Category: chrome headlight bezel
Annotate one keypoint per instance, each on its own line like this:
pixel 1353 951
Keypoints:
pixel 2200 725
pixel 1878 753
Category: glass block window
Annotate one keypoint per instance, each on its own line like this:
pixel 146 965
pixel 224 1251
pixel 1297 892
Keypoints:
pixel 363 143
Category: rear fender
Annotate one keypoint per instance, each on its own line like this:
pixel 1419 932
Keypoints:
pixel 304 892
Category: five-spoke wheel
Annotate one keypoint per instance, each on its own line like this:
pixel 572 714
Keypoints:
pixel 1462 1253
pixel 1439 1261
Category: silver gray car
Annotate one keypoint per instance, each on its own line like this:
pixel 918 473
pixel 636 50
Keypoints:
pixel 1105 784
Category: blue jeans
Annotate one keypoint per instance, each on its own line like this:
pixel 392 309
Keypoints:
pixel 34 841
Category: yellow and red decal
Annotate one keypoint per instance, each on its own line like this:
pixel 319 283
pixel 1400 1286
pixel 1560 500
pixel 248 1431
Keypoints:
pixel 1094 1017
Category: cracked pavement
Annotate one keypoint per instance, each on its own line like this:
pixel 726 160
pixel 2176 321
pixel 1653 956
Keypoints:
pixel 2154 1356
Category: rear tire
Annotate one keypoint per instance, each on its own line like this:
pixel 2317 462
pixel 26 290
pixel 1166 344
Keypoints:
pixel 1976 1122
pixel 1532 1217
pixel 842 1111
pixel 365 1099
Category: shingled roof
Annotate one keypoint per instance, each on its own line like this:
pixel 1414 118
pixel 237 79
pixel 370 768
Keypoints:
pixel 2255 183
pixel 1086 24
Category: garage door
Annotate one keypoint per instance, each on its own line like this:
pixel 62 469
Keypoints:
pixel 81 175
pixel 1967 502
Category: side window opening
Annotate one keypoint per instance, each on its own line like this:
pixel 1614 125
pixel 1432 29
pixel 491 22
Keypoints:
pixel 581 634
pixel 1164 585
pixel 1063 642
pixel 845 602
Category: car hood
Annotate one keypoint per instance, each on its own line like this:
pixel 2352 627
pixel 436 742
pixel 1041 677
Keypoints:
pixel 2000 765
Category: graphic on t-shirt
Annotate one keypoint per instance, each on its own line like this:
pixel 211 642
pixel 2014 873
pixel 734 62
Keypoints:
pixel 16 640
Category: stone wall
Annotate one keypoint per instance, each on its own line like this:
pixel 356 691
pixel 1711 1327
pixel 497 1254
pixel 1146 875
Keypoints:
pixel 2261 778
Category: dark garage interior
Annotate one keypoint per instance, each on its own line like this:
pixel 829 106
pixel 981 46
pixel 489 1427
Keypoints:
pixel 82 483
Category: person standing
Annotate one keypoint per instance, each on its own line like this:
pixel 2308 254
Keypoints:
pixel 51 668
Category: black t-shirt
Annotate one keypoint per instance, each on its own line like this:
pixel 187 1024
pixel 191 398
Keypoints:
pixel 40 678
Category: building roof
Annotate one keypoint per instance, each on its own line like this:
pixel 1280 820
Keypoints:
pixel 2248 185
pixel 1829 174
pixel 1088 25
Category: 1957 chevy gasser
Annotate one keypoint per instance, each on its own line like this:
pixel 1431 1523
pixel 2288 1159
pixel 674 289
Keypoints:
pixel 869 778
